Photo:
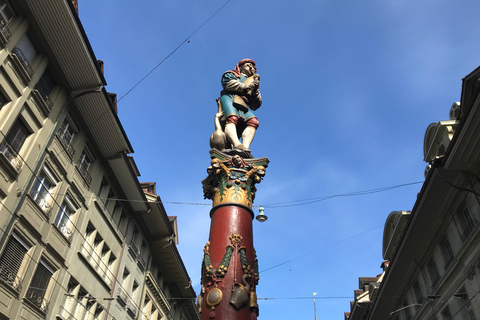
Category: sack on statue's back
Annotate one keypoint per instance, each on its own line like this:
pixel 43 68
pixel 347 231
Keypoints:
pixel 239 103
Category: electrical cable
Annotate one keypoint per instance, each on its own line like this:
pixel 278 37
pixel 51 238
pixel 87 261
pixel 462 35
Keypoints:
pixel 171 53
pixel 351 194
pixel 271 206
pixel 312 252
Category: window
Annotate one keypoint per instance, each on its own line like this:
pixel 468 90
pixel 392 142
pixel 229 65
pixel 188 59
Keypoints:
pixel 13 262
pixel 122 292
pixel 133 243
pixel 79 304
pixel 417 291
pixel 64 219
pixel 141 260
pixel 43 188
pixel 464 306
pixel 407 310
pixel 45 86
pixel 25 52
pixel 66 134
pixel 467 223
pixel 6 14
pixel 110 201
pixel 132 307
pixel 447 252
pixel 13 142
pixel 99 255
pixel 41 284
pixel 3 99
pixel 103 189
pixel 432 272
pixel 446 314
pixel 84 164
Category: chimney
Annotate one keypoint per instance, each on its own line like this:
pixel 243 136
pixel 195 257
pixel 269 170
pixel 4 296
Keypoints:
pixel 75 5
pixel 100 64
pixel 113 97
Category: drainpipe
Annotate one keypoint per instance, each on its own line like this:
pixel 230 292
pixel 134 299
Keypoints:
pixel 39 161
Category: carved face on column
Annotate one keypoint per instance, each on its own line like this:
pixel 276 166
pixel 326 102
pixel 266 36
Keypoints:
pixel 237 161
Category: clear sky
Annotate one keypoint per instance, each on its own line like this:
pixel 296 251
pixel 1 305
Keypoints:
pixel 348 88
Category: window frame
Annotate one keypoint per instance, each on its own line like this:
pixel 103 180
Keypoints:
pixel 41 192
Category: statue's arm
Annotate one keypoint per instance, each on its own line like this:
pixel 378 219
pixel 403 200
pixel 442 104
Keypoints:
pixel 231 83
pixel 256 100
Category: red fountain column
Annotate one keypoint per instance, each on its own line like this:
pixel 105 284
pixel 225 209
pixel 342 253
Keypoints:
pixel 230 268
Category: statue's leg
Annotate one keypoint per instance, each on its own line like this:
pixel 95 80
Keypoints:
pixel 231 133
pixel 249 133
pixel 247 136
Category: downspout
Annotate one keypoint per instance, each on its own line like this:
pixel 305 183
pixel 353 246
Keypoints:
pixel 40 159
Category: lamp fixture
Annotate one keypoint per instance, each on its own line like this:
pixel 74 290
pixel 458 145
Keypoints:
pixel 261 216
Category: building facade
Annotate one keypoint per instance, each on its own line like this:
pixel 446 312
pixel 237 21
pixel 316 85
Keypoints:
pixel 434 249
pixel 79 235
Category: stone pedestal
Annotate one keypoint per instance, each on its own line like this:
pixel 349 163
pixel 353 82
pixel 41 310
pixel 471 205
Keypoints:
pixel 230 268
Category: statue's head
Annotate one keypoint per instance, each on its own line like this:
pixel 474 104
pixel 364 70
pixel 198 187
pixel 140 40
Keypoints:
pixel 246 66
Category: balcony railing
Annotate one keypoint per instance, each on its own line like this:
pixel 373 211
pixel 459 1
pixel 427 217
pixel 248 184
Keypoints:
pixel 11 155
pixel 84 173
pixel 466 232
pixel 23 60
pixel 11 278
pixel 141 262
pixel 66 229
pixel 35 296
pixel 122 295
pixel 66 140
pixel 5 34
pixel 132 309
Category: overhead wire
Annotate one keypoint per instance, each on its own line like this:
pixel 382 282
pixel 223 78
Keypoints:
pixel 295 203
pixel 174 50
pixel 322 248
pixel 270 206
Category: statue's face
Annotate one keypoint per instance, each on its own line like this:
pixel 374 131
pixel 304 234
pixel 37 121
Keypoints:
pixel 248 68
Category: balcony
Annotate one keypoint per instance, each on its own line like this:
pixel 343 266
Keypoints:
pixel 66 138
pixel 132 248
pixel 66 229
pixel 122 296
pixel 85 175
pixel 35 296
pixel 466 232
pixel 141 262
pixel 19 57
pixel 132 308
pixel 11 158
pixel 5 34
pixel 11 278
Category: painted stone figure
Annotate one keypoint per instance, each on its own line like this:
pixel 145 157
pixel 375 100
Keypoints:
pixel 240 95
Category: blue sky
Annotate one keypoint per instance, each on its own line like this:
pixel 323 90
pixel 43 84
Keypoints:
pixel 348 88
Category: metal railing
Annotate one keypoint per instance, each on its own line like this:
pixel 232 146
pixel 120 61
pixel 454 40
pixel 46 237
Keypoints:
pixel 11 278
pixel 66 230
pixel 466 232
pixel 12 156
pixel 84 173
pixel 36 296
pixel 23 60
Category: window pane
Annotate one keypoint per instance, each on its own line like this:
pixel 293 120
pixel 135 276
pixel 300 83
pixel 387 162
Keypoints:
pixel 11 261
pixel 45 85
pixel 39 284
pixel 17 135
